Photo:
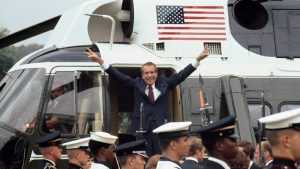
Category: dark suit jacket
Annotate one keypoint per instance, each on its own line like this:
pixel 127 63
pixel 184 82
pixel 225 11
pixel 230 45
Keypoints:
pixel 270 165
pixel 74 166
pixel 157 111
pixel 190 164
pixel 254 166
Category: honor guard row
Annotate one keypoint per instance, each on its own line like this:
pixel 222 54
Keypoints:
pixel 219 139
pixel 173 139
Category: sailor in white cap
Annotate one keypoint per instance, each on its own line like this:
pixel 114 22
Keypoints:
pixel 102 145
pixel 283 132
pixel 132 155
pixel 173 139
pixel 78 153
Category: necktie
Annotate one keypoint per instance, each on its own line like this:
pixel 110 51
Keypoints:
pixel 150 94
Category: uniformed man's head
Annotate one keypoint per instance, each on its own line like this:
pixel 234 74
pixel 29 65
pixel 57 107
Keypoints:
pixel 174 136
pixel 78 151
pixel 149 73
pixel 50 146
pixel 283 132
pixel 102 145
pixel 132 155
pixel 219 138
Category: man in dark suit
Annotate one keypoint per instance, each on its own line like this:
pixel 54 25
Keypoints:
pixel 196 154
pixel 247 148
pixel 266 154
pixel 220 141
pixel 150 90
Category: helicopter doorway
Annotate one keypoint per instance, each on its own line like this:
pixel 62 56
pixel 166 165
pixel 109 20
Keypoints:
pixel 122 100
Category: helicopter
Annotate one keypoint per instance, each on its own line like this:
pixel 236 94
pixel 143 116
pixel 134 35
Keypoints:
pixel 253 48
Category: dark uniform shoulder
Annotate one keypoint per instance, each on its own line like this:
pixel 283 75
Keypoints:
pixel 283 163
pixel 74 166
pixel 45 164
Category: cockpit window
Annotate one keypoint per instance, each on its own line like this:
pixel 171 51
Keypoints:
pixel 75 112
pixel 20 99
pixel 76 54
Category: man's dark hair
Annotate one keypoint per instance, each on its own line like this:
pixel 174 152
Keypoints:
pixel 164 142
pixel 266 146
pixel 248 148
pixel 148 64
pixel 123 159
pixel 95 146
pixel 273 137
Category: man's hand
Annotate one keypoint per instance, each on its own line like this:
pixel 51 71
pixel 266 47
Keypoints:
pixel 94 57
pixel 203 54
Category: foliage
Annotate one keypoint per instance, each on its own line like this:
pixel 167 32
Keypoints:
pixel 10 55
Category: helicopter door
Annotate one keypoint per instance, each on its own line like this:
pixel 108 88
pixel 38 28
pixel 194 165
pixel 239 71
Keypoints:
pixel 122 100
pixel 76 104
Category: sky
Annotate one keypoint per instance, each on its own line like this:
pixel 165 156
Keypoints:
pixel 18 14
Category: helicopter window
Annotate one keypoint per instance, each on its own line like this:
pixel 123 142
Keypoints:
pixel 289 106
pixel 62 56
pixel 19 106
pixel 84 116
pixel 60 110
pixel 255 112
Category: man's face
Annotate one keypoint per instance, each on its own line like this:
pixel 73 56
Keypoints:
pixel 149 74
pixel 294 144
pixel 256 154
pixel 229 147
pixel 109 153
pixel 138 162
pixel 182 146
pixel 83 158
pixel 57 92
pixel 56 152
pixel 200 154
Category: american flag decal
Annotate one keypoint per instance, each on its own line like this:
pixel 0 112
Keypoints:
pixel 191 23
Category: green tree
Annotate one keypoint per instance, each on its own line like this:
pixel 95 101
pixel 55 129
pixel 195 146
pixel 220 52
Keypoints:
pixel 10 55
pixel 7 55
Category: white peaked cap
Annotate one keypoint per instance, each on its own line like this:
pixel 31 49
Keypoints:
pixel 173 127
pixel 103 137
pixel 80 143
pixel 281 120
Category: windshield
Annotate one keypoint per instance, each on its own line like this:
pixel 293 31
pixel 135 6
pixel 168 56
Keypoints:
pixel 20 99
